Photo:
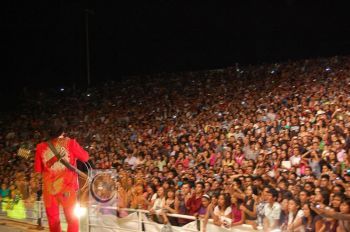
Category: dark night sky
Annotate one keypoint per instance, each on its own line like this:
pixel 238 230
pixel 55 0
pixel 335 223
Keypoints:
pixel 170 35
pixel 43 42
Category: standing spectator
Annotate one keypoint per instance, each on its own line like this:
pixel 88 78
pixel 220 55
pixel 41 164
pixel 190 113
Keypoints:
pixel 15 207
pixel 238 216
pixel 344 225
pixel 131 160
pixel 204 206
pixel 249 206
pixel 156 208
pixel 295 215
pixel 311 221
pixel 4 191
pixel 304 197
pixel 210 210
pixel 223 212
pixel 194 203
pixel 272 210
pixel 183 197
pixel 138 200
pixel 170 205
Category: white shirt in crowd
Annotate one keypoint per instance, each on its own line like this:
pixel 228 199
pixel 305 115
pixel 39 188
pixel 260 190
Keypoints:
pixel 292 218
pixel 272 213
pixel 132 161
pixel 222 216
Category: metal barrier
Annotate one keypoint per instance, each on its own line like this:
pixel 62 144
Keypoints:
pixel 136 220
pixel 139 220
pixel 33 213
pixel 113 219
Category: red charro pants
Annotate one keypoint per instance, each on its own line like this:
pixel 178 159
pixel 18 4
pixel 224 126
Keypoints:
pixel 68 200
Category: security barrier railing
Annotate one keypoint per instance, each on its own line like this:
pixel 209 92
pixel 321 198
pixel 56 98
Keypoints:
pixel 140 220
pixel 113 219
pixel 29 212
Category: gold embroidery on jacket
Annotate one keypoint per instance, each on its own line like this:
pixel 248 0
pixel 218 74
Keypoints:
pixel 61 147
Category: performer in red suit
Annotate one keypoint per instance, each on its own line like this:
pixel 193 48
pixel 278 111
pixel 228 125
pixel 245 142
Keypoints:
pixel 60 184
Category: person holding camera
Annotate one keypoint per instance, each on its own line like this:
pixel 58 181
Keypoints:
pixel 343 216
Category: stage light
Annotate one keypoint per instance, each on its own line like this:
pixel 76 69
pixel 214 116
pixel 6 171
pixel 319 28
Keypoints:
pixel 79 211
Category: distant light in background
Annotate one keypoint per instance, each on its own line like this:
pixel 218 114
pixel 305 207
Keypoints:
pixel 62 89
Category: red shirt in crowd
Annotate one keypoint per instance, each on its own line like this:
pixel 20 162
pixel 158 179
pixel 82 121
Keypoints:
pixel 194 204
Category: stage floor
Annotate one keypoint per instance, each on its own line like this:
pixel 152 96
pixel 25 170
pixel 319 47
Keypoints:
pixel 12 226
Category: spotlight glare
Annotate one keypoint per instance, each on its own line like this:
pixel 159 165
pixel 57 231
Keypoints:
pixel 79 211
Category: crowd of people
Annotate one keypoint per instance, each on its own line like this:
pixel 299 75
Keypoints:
pixel 264 145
